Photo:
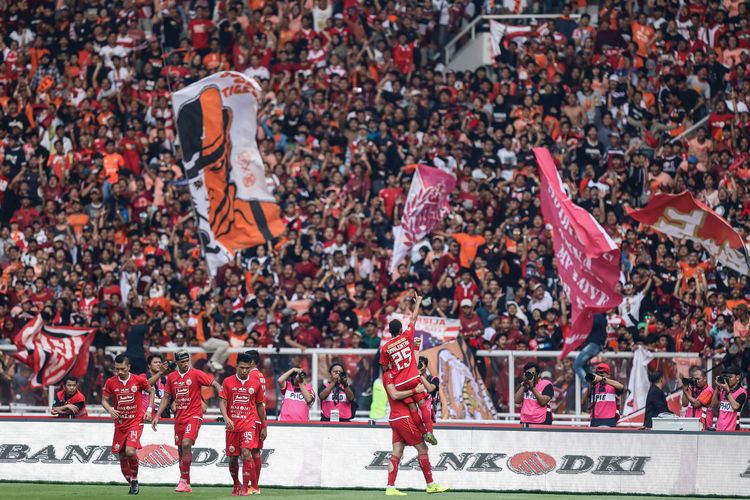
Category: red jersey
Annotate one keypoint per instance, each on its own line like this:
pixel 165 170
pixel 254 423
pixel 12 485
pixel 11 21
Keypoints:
pixel 399 354
pixel 127 398
pixel 258 375
pixel 241 397
pixel 399 409
pixel 185 390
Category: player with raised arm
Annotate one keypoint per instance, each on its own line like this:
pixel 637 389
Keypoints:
pixel 261 425
pixel 397 356
pixel 125 390
pixel 405 433
pixel 184 388
pixel 241 404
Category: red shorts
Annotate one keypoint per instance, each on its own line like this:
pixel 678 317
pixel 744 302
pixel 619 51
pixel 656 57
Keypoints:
pixel 412 384
pixel 404 431
pixel 186 430
pixel 237 440
pixel 258 428
pixel 127 436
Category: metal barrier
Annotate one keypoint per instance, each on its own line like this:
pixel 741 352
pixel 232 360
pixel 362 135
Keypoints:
pixel 481 24
pixel 315 360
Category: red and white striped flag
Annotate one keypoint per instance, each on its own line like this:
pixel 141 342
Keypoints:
pixel 425 206
pixel 53 351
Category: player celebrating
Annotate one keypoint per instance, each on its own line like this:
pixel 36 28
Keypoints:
pixel 261 425
pixel 125 388
pixel 406 433
pixel 398 354
pixel 184 387
pixel 241 405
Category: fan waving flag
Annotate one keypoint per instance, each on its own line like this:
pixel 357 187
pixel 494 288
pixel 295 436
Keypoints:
pixel 216 125
pixel 53 352
pixel 682 216
pixel 587 259
pixel 425 206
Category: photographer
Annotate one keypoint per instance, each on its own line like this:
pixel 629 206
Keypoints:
pixel 337 396
pixel 730 396
pixel 697 396
pixel 431 385
pixel 298 396
pixel 603 397
pixel 535 394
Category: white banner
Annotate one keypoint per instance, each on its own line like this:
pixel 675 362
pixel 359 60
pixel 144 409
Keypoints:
pixel 499 30
pixel 439 328
pixel 356 456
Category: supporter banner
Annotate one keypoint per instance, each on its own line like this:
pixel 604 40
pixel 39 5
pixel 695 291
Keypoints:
pixel 340 456
pixel 682 216
pixel 587 259
pixel 500 31
pixel 463 394
pixel 433 330
pixel 425 206
pixel 216 123
pixel 53 352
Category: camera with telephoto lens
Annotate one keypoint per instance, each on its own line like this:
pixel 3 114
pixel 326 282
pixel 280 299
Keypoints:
pixel 342 378
pixel 300 377
pixel 721 379
pixel 691 381
pixel 529 375
pixel 589 377
pixel 171 366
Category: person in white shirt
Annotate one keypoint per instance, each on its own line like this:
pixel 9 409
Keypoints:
pixel 540 299
pixel 255 70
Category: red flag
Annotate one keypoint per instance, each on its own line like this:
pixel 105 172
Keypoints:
pixel 682 216
pixel 53 352
pixel 425 206
pixel 587 258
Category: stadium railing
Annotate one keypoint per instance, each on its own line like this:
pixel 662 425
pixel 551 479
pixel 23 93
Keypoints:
pixel 315 361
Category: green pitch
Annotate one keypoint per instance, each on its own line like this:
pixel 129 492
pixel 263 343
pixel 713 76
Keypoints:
pixel 33 491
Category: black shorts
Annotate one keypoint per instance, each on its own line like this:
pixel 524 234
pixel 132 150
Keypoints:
pixel 604 422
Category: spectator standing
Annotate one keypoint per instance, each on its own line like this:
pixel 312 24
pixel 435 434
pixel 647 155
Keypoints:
pixel 593 346
pixel 656 400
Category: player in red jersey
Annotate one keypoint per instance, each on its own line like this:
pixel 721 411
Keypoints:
pixel 125 389
pixel 261 425
pixel 184 387
pixel 398 355
pixel 241 405
pixel 405 433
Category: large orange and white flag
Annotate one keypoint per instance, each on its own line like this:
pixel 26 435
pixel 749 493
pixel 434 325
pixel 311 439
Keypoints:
pixel 217 125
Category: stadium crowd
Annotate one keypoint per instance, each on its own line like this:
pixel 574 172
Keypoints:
pixel 96 220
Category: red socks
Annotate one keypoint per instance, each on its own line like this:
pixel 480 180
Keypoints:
pixel 134 467
pixel 393 473
pixel 258 459
pixel 234 471
pixel 125 467
pixel 416 417
pixel 426 412
pixel 424 463
pixel 185 460
pixel 248 473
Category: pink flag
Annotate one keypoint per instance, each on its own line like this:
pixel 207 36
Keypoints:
pixel 587 258
pixel 425 206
